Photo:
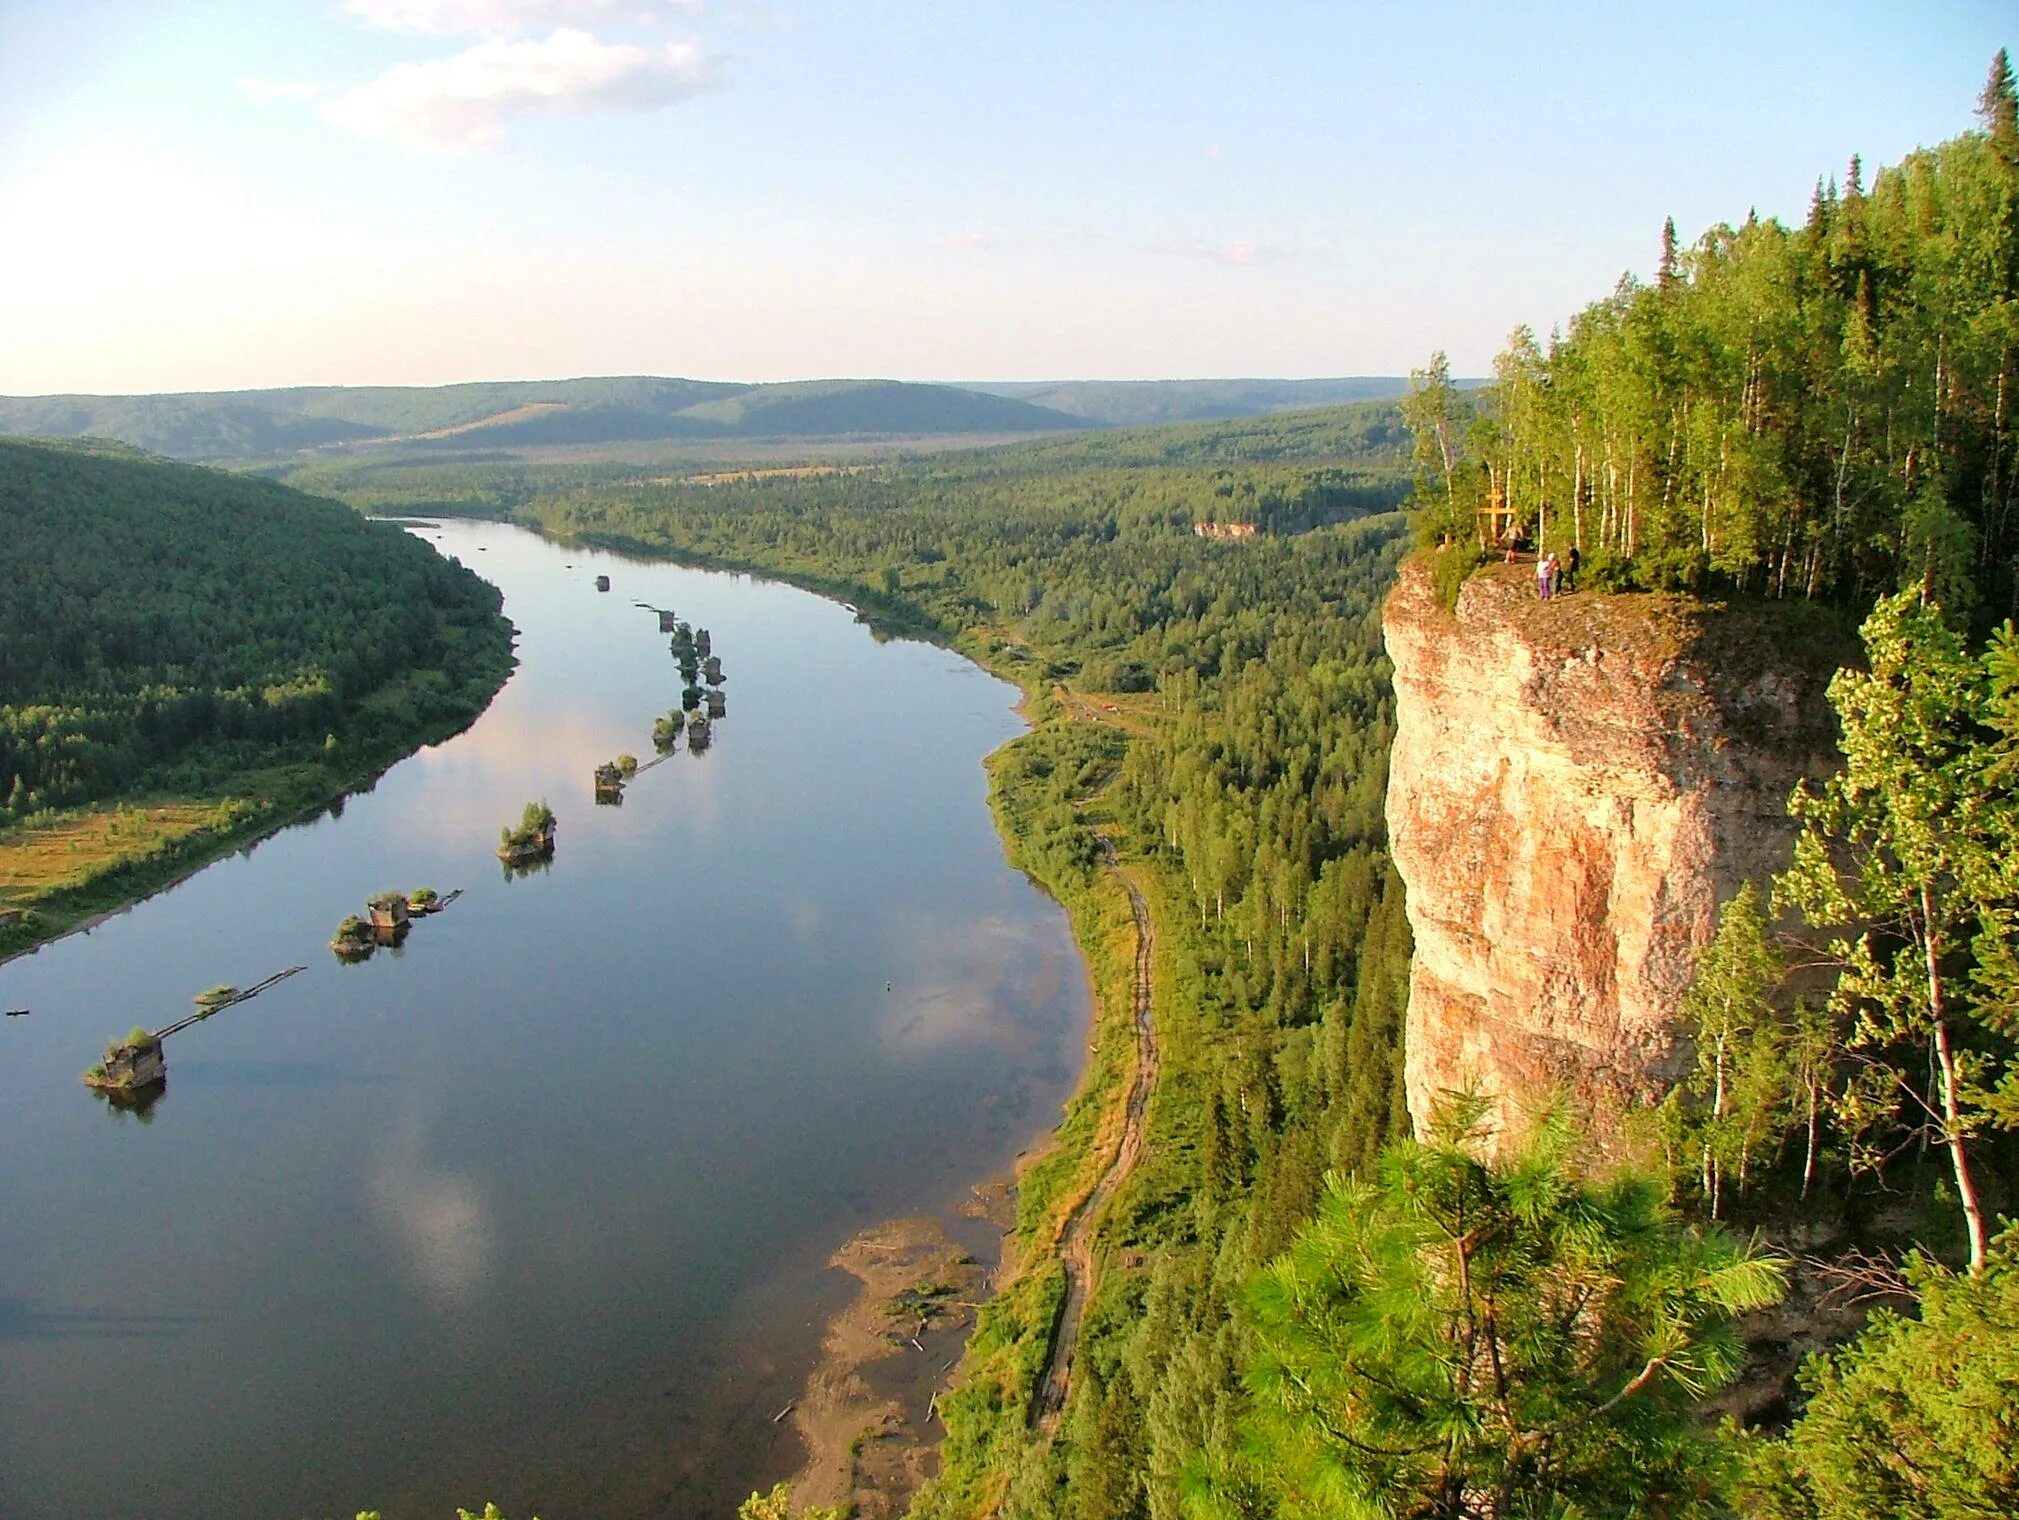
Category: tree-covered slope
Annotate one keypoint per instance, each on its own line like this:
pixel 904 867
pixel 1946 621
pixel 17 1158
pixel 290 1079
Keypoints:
pixel 1824 410
pixel 244 425
pixel 1147 403
pixel 178 633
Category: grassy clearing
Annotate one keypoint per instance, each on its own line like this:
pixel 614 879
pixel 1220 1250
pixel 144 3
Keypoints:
pixel 61 870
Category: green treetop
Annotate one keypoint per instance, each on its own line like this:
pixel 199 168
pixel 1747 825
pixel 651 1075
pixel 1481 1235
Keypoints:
pixel 1474 1337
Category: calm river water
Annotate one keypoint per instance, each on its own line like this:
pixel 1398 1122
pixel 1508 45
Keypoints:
pixel 538 1208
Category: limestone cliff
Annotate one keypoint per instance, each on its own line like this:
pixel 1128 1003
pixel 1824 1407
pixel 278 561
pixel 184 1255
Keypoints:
pixel 1574 787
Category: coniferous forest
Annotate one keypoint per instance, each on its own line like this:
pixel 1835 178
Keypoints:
pixel 224 647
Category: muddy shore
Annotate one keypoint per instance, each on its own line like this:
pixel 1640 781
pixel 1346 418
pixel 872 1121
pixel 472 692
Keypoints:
pixel 867 1415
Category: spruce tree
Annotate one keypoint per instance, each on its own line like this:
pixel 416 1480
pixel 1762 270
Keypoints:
pixel 1998 108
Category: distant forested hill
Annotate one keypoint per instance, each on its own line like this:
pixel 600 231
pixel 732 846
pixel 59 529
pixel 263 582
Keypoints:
pixel 1140 403
pixel 246 425
pixel 368 421
pixel 181 635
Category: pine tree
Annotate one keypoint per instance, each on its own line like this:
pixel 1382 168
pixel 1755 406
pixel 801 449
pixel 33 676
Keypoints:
pixel 1489 1339
pixel 1666 273
pixel 1998 108
pixel 1739 1082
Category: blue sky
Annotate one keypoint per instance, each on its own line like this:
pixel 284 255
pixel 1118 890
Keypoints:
pixel 216 193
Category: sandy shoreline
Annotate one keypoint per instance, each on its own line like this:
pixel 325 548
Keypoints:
pixel 867 1414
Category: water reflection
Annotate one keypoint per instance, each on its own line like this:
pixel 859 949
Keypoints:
pixel 135 1103
pixel 547 1195
pixel 441 1227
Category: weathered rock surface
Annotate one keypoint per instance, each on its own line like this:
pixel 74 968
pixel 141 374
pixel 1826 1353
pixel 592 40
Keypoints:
pixel 1575 786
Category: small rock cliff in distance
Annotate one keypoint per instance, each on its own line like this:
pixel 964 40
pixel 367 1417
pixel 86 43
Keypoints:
pixel 1575 786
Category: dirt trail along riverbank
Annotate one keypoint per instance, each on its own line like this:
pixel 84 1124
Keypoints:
pixel 1076 1248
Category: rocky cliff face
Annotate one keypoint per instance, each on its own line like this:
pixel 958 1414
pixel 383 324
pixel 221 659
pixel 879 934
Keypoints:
pixel 1574 787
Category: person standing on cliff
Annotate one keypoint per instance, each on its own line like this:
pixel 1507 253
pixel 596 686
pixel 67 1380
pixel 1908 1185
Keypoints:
pixel 1545 574
pixel 1571 561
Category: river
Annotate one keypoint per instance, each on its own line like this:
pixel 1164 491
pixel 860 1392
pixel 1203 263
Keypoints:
pixel 536 1208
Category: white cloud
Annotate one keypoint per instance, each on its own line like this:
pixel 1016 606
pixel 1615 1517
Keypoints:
pixel 491 17
pixel 283 89
pixel 1235 255
pixel 463 103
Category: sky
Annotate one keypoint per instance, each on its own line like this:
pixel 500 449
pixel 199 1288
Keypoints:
pixel 212 194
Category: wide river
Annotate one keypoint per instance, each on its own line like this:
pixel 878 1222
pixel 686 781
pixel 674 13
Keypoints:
pixel 536 1209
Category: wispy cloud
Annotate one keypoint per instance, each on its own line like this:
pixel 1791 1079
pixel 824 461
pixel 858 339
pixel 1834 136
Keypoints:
pixel 463 103
pixel 492 18
pixel 283 89
pixel 1235 255
pixel 967 242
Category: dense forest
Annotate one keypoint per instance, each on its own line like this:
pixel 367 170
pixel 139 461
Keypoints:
pixel 176 634
pixel 1300 1312
pixel 1825 410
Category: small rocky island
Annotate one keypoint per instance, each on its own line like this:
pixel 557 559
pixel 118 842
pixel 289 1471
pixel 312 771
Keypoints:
pixel 533 837
pixel 385 922
pixel 131 1065
pixel 610 779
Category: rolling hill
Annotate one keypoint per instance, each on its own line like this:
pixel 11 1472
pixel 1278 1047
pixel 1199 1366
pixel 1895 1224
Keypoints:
pixel 1145 403
pixel 240 426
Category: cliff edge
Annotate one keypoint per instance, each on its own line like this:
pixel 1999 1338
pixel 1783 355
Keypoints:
pixel 1575 786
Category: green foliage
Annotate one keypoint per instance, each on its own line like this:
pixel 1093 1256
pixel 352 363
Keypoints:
pixel 1819 410
pixel 1437 415
pixel 1906 862
pixel 1464 1338
pixel 1914 1420
pixel 168 630
pixel 777 1505
pixel 1743 1093
pixel 1451 565
pixel 536 820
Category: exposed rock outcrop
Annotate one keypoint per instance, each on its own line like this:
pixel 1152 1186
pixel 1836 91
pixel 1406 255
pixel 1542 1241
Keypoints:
pixel 1575 786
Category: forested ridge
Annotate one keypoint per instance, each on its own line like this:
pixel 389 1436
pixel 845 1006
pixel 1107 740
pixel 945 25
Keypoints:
pixel 1826 410
pixel 172 633
pixel 247 425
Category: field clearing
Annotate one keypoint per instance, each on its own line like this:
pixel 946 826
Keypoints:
pixel 72 850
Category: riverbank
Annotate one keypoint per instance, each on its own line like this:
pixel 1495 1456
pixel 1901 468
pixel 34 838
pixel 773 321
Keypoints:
pixel 1004 1326
pixel 861 1414
pixel 868 1413
pixel 71 870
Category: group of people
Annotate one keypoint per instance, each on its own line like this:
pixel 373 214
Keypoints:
pixel 1553 576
